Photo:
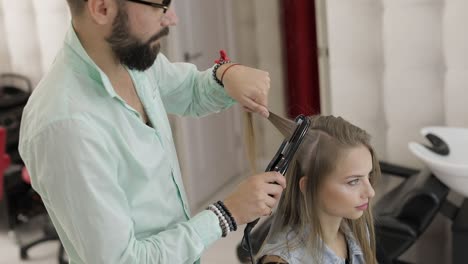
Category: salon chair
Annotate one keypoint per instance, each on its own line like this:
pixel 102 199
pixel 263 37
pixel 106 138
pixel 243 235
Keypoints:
pixel 22 203
pixel 403 214
pixel 4 160
pixel 24 206
pixel 28 205
pixel 15 90
pixel 446 157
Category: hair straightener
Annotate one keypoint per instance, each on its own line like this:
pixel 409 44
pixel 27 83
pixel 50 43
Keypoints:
pixel 280 163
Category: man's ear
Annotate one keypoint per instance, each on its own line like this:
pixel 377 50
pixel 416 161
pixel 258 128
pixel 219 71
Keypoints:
pixel 102 11
pixel 303 184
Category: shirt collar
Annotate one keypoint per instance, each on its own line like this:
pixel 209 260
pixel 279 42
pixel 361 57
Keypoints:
pixel 85 63
pixel 353 246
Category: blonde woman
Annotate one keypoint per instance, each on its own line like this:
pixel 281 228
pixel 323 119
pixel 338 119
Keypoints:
pixel 325 214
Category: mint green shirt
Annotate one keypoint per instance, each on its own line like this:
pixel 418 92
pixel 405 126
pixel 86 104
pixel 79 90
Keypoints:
pixel 111 184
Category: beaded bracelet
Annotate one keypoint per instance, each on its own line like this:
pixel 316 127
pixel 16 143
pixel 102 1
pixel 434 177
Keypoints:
pixel 222 221
pixel 223 59
pixel 229 214
pixel 226 221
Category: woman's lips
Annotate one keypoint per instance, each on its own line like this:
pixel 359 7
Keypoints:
pixel 363 206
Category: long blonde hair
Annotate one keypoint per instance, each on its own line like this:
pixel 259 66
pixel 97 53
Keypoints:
pixel 316 158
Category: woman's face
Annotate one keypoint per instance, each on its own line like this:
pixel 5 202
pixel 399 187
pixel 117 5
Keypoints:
pixel 346 192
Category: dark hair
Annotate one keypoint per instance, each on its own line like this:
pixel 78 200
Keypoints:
pixel 76 6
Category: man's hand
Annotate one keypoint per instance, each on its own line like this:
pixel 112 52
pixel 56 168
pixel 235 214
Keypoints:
pixel 255 197
pixel 248 86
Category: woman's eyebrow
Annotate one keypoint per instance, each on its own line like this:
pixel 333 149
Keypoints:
pixel 355 176
pixel 358 175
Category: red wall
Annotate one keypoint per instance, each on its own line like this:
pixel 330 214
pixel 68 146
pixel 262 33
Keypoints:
pixel 300 42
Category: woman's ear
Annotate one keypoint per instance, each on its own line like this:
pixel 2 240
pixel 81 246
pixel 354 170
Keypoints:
pixel 303 184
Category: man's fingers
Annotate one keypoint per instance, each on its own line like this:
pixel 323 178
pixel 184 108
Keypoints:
pixel 267 211
pixel 276 177
pixel 270 202
pixel 274 190
pixel 247 109
pixel 261 98
pixel 256 107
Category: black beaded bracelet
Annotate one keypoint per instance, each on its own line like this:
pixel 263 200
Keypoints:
pixel 229 214
pixel 223 59
pixel 226 216
pixel 215 69
pixel 223 223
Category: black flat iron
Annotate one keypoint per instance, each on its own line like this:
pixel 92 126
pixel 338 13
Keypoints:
pixel 280 163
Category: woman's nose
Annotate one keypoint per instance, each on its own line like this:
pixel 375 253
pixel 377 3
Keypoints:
pixel 170 18
pixel 370 192
pixel 367 191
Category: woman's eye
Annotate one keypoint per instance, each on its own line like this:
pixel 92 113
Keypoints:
pixel 353 182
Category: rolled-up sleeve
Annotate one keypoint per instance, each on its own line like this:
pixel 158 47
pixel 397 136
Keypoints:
pixel 186 91
pixel 75 172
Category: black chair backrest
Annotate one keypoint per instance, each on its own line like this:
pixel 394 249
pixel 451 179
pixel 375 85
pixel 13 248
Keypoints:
pixel 415 202
pixel 404 213
pixel 15 90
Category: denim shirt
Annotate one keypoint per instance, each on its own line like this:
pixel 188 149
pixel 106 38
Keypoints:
pixel 277 246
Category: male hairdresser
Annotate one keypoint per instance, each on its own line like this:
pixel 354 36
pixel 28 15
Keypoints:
pixel 97 143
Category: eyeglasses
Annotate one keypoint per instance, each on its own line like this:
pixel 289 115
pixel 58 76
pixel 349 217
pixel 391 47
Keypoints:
pixel 165 5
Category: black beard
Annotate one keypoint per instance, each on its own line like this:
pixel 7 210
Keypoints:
pixel 131 52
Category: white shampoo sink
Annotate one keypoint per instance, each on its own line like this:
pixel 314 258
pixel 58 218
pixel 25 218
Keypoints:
pixel 451 166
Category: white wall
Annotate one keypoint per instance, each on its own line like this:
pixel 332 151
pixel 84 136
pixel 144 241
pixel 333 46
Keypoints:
pixel 414 69
pixel 356 64
pixel 258 44
pixel 395 67
pixel 4 51
pixel 21 37
pixel 52 22
pixel 269 53
pixel 455 52
pixel 33 32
